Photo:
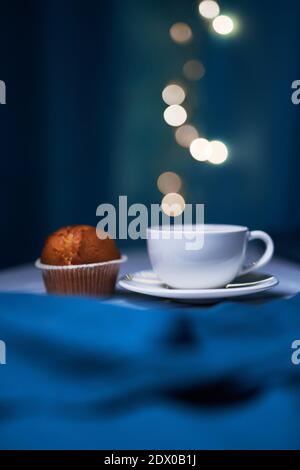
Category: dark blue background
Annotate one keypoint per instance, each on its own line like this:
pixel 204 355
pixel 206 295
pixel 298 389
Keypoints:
pixel 83 120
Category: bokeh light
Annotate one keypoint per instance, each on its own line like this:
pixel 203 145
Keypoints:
pixel 169 182
pixel 185 135
pixel 173 204
pixel 223 24
pixel 219 152
pixel 175 115
pixel 201 149
pixel 181 33
pixel 173 94
pixel 209 9
pixel 193 70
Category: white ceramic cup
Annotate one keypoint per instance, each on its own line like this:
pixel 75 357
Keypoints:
pixel 212 263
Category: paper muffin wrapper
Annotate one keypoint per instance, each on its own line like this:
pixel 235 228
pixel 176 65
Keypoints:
pixel 97 279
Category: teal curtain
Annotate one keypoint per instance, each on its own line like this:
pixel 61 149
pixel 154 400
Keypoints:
pixel 83 120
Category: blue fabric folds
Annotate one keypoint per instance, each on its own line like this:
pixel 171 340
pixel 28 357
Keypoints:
pixel 90 374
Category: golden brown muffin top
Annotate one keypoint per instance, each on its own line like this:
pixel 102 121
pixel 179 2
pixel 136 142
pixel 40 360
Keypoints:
pixel 78 244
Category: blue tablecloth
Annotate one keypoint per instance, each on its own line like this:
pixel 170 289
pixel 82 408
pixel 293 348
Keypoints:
pixel 85 373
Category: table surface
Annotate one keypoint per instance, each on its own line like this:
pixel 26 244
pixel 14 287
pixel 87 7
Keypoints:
pixel 141 372
pixel 27 279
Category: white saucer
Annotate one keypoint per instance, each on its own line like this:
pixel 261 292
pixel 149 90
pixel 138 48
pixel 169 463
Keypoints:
pixel 146 282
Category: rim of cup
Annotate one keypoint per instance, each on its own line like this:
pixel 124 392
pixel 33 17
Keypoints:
pixel 206 228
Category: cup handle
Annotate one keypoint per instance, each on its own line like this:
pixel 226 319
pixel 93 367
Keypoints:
pixel 266 257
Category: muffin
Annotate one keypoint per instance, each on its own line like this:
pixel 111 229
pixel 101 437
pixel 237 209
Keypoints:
pixel 78 260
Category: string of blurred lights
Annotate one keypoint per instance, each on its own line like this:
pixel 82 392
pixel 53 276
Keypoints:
pixel 175 115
